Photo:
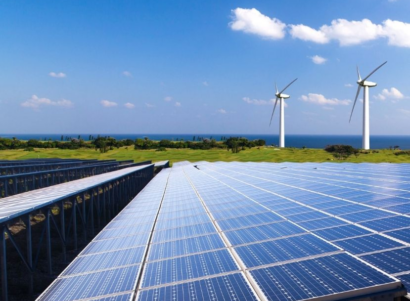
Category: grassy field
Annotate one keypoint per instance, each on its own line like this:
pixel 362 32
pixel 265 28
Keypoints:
pixel 175 155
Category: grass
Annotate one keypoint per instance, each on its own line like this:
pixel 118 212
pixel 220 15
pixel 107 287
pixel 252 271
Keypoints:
pixel 263 154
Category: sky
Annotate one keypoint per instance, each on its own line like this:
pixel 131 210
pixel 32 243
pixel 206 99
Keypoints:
pixel 202 66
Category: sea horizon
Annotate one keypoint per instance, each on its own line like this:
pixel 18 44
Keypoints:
pixel 292 140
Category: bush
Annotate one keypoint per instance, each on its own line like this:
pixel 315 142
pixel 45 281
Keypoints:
pixel 341 152
pixel 161 149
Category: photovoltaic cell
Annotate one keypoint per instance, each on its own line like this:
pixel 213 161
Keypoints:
pixel 229 287
pixel 317 277
pixel 248 221
pixel 387 224
pixel 366 244
pixel 283 249
pixel 188 267
pixel 341 232
pixel 185 246
pixel 92 285
pixel 394 261
pixel 262 232
pixel 403 234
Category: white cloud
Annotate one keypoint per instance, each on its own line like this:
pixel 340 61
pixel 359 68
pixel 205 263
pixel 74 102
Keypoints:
pixel 393 94
pixel 177 104
pixel 319 99
pixel 328 108
pixel 318 60
pixel 397 33
pixel 258 102
pixel 148 105
pixel 253 22
pixel 35 102
pixel 348 85
pixel 57 75
pixel 129 105
pixel 349 33
pixel 306 33
pixel 205 84
pixel 168 98
pixel 221 111
pixel 108 104
pixel 127 73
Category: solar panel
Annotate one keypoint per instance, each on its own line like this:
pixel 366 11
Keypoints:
pixel 249 231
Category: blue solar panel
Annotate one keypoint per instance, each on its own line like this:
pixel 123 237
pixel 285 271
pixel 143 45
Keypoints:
pixel 238 212
pixel 386 224
pixel 229 287
pixel 248 221
pixel 317 277
pixel 119 232
pixel 188 267
pixel 177 222
pixel 183 232
pixel 366 244
pixel 350 208
pixel 116 244
pixel 92 285
pixel 125 297
pixel 406 280
pixel 185 246
pixel 366 215
pixel 403 234
pixel 283 249
pixel 299 218
pixel 394 261
pixel 341 232
pixel 322 223
pixel 102 261
pixel 403 208
pixel 262 232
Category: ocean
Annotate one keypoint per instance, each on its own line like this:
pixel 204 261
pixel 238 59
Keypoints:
pixel 309 141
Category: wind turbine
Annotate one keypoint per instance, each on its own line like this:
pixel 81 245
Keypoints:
pixel 281 96
pixel 363 83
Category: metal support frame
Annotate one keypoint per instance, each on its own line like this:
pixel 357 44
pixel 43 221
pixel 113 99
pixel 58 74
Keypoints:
pixel 104 201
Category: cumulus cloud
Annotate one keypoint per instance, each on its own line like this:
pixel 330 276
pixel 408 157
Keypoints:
pixel 221 111
pixel 306 33
pixel 36 102
pixel 258 102
pixel 127 73
pixel 348 85
pixel 129 105
pixel 108 104
pixel 253 22
pixel 168 98
pixel 397 33
pixel 345 32
pixel 393 94
pixel 349 33
pixel 57 75
pixel 318 60
pixel 177 104
pixel 148 105
pixel 320 99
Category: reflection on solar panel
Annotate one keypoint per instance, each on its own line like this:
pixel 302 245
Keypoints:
pixel 252 231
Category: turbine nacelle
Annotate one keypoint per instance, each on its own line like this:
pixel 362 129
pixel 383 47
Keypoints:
pixel 366 83
pixel 282 95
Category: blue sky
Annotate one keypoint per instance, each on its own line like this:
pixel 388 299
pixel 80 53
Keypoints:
pixel 201 66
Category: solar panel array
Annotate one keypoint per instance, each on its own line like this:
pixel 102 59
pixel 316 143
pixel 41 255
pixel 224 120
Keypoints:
pixel 252 231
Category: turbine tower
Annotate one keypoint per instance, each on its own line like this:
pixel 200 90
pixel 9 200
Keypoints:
pixel 280 96
pixel 363 83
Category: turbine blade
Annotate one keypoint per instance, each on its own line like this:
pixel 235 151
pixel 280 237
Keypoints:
pixel 374 71
pixel 274 107
pixel 358 74
pixel 357 95
pixel 276 87
pixel 287 86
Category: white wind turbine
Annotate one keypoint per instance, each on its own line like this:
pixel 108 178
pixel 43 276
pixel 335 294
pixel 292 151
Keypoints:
pixel 280 96
pixel 365 84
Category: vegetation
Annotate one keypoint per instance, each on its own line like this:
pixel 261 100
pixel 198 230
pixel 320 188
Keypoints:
pixel 255 154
